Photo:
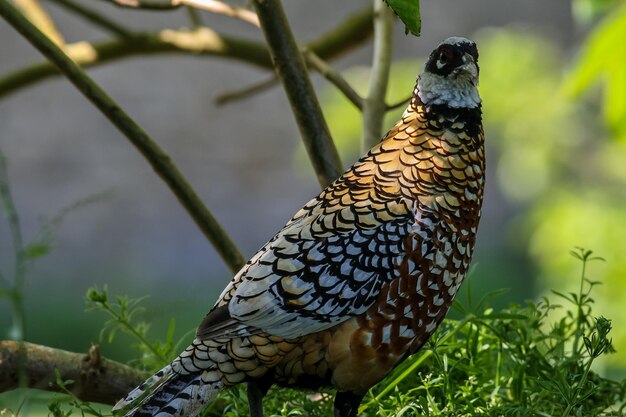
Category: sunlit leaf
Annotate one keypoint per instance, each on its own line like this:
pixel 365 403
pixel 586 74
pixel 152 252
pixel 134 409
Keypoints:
pixel 603 59
pixel 409 12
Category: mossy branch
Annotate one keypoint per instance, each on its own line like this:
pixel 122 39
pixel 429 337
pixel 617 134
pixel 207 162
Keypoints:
pixel 95 378
pixel 159 160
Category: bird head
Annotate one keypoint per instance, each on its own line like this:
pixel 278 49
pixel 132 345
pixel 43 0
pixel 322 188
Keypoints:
pixel 450 76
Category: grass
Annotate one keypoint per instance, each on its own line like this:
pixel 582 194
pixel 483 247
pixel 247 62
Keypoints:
pixel 534 359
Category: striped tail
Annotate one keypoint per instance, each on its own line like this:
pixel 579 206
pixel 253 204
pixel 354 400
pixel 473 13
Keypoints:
pixel 169 394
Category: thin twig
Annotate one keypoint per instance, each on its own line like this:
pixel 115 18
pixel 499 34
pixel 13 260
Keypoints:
pixel 39 17
pixel 292 72
pixel 145 4
pixel 328 45
pixel 194 17
pixel 334 77
pixel 352 32
pixel 198 42
pixel 230 96
pixel 159 160
pixel 94 17
pixel 400 103
pixel 219 7
pixel 355 30
pixel 315 63
pixel 213 6
pixel 374 105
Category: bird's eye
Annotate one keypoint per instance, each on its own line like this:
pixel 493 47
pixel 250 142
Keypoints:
pixel 446 56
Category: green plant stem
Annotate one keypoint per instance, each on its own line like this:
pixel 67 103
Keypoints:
pixel 160 161
pixel 355 30
pixel 19 275
pixel 129 327
pixel 580 315
pixel 290 68
pixel 16 293
pixel 583 379
pixel 374 106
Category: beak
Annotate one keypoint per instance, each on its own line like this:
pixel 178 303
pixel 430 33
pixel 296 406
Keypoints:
pixel 469 66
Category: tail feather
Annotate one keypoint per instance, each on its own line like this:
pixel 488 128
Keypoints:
pixel 149 385
pixel 169 394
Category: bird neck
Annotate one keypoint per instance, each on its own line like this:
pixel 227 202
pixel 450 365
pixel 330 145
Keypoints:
pixel 445 145
pixel 453 91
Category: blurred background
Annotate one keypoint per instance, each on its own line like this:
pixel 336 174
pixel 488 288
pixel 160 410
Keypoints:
pixel 553 82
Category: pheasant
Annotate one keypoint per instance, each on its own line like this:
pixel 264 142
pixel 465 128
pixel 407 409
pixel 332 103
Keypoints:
pixel 361 276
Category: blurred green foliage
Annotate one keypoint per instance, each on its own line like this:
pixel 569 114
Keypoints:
pixel 603 59
pixel 559 154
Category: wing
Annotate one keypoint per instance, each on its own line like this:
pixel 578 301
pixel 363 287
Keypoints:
pixel 329 262
pixel 299 286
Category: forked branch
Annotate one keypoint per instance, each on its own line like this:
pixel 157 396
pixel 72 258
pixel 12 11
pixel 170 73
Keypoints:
pixel 352 32
pixel 160 161
pixel 291 71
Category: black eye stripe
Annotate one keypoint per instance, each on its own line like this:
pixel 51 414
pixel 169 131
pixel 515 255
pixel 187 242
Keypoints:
pixel 449 56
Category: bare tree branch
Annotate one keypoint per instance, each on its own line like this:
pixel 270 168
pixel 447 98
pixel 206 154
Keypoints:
pixel 145 4
pixel 328 45
pixel 219 7
pixel 194 18
pixel 292 73
pixel 39 17
pixel 160 161
pixel 247 91
pixel 374 106
pixel 94 17
pixel 354 31
pixel 398 104
pixel 334 77
pixel 213 6
pixel 315 63
pixel 95 378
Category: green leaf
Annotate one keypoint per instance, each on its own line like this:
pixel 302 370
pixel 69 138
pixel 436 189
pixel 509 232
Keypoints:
pixel 409 12
pixel 36 250
pixel 604 59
